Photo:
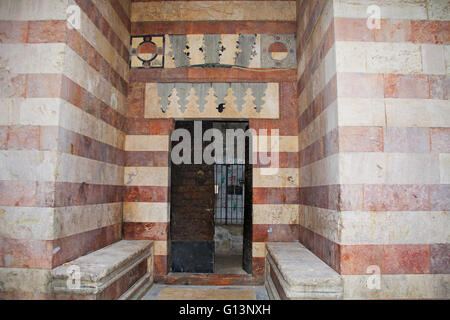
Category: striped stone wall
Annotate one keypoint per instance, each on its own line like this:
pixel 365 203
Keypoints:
pixel 318 137
pixel 374 139
pixel 147 201
pixel 62 135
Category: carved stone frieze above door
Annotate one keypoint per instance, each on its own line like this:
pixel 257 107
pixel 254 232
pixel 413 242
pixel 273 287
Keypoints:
pixel 212 100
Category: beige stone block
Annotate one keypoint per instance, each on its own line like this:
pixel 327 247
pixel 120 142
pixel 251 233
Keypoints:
pixel 398 9
pixel 213 10
pixel 330 65
pixel 362 168
pixel 30 10
pixel 27 223
pixel 259 249
pixel 379 57
pixel 417 113
pixel 282 178
pixel 433 59
pixel 10 111
pixel 160 247
pixel 412 168
pixel 146 212
pixel 26 280
pixel 439 10
pixel 325 222
pixel 275 214
pixel 361 112
pixel 390 168
pixel 351 56
pixel 447 58
pixel 27 165
pixel 399 227
pixel 444 162
pixel 78 219
pixel 321 173
pixel 147 143
pixel 77 169
pixel 276 144
pixel 403 58
pixel 146 176
pixel 401 286
pixel 32 58
pixel 38 111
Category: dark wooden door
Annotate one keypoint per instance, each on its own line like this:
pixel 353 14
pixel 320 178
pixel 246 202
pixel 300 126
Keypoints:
pixel 192 212
pixel 248 212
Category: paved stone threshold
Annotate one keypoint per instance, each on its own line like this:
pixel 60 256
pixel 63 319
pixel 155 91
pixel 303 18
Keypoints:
pixel 175 292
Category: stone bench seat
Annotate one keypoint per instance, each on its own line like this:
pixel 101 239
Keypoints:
pixel 293 272
pixel 122 270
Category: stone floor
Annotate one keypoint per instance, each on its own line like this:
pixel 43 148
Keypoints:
pixel 172 292
pixel 228 265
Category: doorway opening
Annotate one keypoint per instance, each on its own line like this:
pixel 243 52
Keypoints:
pixel 211 204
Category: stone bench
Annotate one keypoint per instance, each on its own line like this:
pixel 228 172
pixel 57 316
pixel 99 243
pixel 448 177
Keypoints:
pixel 293 273
pixel 123 270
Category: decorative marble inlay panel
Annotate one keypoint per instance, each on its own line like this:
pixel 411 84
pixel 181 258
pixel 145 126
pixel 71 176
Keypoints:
pixel 217 50
pixel 147 51
pixel 278 51
pixel 212 100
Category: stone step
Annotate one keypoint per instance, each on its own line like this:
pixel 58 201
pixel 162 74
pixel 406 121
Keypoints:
pixel 119 270
pixel 293 272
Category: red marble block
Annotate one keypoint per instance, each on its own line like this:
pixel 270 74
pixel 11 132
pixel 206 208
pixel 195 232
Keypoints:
pixel 383 197
pixel 275 232
pixel 361 139
pixel 440 140
pixel 275 195
pixel 13 31
pixel 161 264
pixel 146 194
pixel 360 85
pixel 407 139
pixel 437 32
pixel 213 27
pixel 145 230
pixel 43 85
pixel 47 31
pixel 440 197
pixel 440 87
pixel 407 86
pixel 440 258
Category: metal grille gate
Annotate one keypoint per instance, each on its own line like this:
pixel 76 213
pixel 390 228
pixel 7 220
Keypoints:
pixel 230 189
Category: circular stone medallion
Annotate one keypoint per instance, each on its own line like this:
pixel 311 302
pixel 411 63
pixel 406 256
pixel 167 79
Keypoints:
pixel 278 51
pixel 147 51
